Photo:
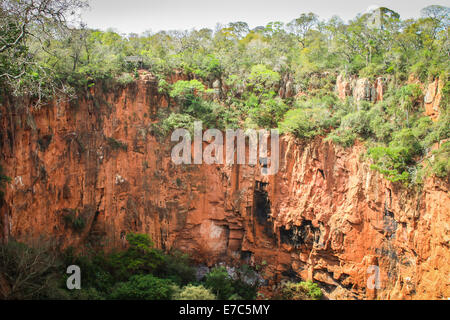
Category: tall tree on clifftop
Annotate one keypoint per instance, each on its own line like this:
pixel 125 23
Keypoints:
pixel 20 22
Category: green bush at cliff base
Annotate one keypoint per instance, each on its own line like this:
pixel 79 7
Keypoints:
pixel 227 288
pixel 144 287
pixel 120 271
pixel 140 257
pixel 29 272
pixel 220 283
pixel 177 267
pixel 194 292
pixel 300 291
pixel 129 274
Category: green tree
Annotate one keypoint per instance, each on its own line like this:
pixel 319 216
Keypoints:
pixel 20 23
pixel 177 267
pixel 139 258
pixel 185 91
pixel 301 26
pixel 220 283
pixel 262 79
pixel 144 287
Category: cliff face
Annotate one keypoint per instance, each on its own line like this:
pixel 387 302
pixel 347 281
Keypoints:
pixel 360 89
pixel 350 218
pixel 325 216
pixel 433 98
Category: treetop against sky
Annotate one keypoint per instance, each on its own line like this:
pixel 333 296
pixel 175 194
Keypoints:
pixel 136 16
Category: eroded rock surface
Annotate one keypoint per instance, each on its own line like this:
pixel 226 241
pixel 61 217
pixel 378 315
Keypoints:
pixel 360 89
pixel 433 98
pixel 325 216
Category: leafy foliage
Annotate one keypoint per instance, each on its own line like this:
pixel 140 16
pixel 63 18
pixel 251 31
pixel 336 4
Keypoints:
pixel 262 78
pixel 143 272
pixel 26 27
pixel 186 91
pixel 74 220
pixel 140 258
pixel 441 161
pixel 144 287
pixel 193 292
pixel 306 123
pixel 177 267
pixel 232 288
pixel 220 283
pixel 300 291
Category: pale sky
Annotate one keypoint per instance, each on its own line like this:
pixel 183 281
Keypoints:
pixel 140 15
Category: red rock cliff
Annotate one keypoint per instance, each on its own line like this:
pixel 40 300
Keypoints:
pixel 325 216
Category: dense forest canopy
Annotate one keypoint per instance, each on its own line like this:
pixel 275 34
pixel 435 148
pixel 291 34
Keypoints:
pixel 239 71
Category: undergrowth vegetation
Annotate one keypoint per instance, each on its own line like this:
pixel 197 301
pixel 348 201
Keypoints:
pixel 299 291
pixel 141 272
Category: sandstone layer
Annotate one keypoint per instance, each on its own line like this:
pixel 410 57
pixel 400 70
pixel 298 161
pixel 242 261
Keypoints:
pixel 325 216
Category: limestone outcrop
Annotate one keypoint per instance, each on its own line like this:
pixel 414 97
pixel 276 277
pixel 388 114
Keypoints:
pixel 432 100
pixel 361 89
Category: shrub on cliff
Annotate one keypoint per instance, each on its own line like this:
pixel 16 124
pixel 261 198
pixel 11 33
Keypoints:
pixel 211 114
pixel 267 113
pixel 116 144
pixel 409 97
pixel 185 92
pixel 441 161
pixel 397 161
pixel 3 180
pixel 74 220
pixel 125 79
pixel 306 123
pixel 262 78
pixel 173 121
pixel 352 125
